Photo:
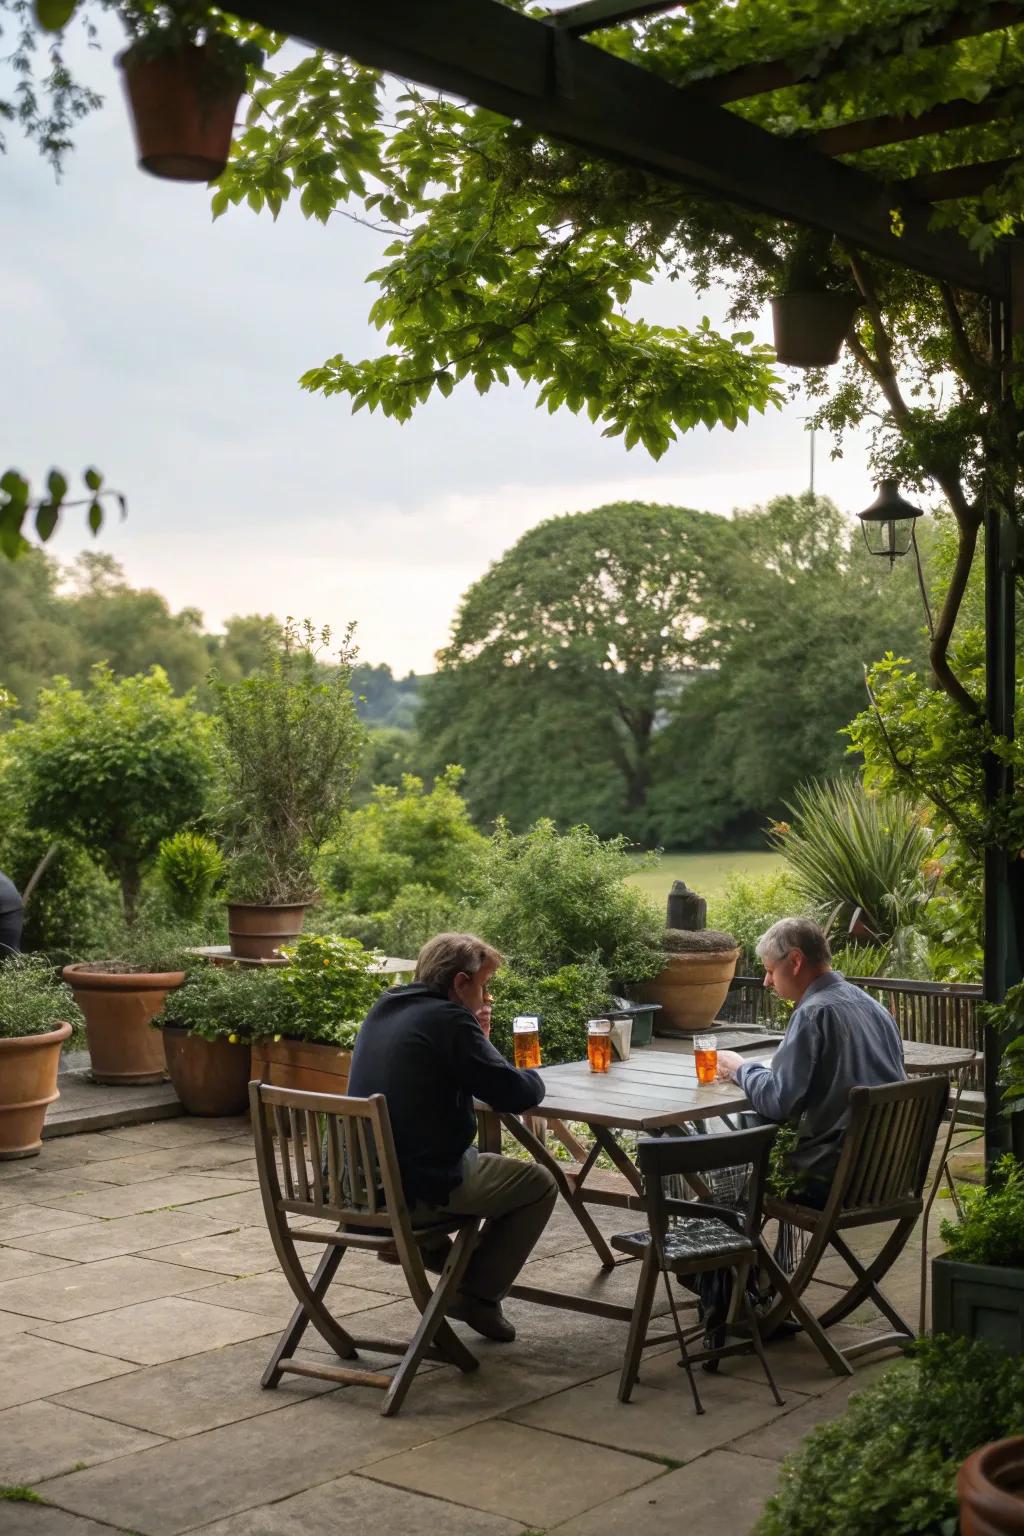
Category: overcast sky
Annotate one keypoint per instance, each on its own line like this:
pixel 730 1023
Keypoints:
pixel 142 337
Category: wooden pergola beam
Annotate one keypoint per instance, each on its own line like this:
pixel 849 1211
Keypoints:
pixel 973 20
pixel 957 181
pixel 568 89
pixel 591 15
pixel 873 132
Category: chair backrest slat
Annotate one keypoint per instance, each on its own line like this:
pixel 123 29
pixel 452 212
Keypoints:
pixel 281 1150
pixel 888 1143
pixel 313 1142
pixel 368 1163
pixel 298 1152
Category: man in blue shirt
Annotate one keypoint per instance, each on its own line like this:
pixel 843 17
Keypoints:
pixel 838 1038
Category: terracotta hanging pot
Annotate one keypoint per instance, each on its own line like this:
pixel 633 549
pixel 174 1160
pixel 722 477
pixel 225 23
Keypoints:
pixel 183 105
pixel 28 1085
pixel 990 1485
pixel 210 1077
pixel 118 1007
pixel 810 328
pixel 257 932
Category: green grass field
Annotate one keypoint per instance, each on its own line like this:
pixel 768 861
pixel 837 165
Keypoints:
pixel 705 873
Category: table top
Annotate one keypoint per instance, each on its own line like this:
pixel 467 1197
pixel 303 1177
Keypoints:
pixel 655 1089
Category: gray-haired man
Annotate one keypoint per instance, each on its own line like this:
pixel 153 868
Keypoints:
pixel 838 1038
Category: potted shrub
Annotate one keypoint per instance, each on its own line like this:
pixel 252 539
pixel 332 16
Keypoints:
pixel 693 982
pixel 290 744
pixel 183 78
pixel 978 1283
pixel 120 997
pixel 811 318
pixel 207 1027
pixel 36 1016
pixel 327 987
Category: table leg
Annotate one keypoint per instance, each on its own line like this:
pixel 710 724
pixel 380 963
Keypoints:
pixel 540 1153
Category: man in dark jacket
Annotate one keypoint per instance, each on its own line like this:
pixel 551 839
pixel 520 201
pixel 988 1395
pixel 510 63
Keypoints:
pixel 10 918
pixel 423 1048
pixel 838 1038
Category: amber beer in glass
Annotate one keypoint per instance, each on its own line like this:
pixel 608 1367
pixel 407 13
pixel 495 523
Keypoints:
pixel 705 1055
pixel 599 1044
pixel 526 1039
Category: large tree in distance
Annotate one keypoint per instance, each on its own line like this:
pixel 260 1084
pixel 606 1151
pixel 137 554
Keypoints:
pixel 562 656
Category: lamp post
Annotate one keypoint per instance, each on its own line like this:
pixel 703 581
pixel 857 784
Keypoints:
pixel 888 524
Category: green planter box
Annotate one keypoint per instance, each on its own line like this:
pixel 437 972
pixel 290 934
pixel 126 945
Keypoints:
pixel 642 1015
pixel 979 1301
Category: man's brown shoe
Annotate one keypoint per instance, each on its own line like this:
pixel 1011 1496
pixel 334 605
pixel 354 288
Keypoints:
pixel 484 1317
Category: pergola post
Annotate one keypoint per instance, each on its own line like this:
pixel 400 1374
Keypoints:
pixel 1004 881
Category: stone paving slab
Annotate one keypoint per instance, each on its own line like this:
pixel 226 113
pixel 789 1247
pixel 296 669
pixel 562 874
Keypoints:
pixel 271 1294
pixel 189 1131
pixel 245 1251
pixel 153 1332
pixel 87 1106
pixel 526 1474
pixel 776 1441
pixel 196 1481
pixel 201 1392
pixel 42 1439
pixel 16 1265
pixel 41 1520
pixel 351 1506
pixel 112 1238
pixel 138 1166
pixel 719 1495
pixel 27 1220
pixel 32 1368
pixel 77 1290
pixel 153 1194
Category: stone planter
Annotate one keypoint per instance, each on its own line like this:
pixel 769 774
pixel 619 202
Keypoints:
pixel 118 1007
pixel 28 1085
pixel 210 1077
pixel 690 990
pixel 990 1486
pixel 978 1301
pixel 311 1067
pixel 257 932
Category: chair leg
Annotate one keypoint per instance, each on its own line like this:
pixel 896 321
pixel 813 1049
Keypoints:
pixel 793 1303
pixel 865 1287
pixel 755 1339
pixel 638 1323
pixel 311 1310
pixel 433 1328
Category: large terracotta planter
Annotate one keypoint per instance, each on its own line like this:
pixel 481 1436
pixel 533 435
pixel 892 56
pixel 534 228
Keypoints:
pixel 28 1085
pixel 990 1485
pixel 210 1077
pixel 810 328
pixel 183 113
pixel 118 1007
pixel 313 1068
pixel 690 989
pixel 256 932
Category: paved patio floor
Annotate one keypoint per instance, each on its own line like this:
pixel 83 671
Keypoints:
pixel 139 1297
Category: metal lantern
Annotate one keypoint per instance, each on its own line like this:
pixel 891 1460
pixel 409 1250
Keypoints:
pixel 888 523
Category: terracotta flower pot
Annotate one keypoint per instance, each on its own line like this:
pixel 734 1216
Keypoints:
pixel 810 328
pixel 210 1077
pixel 183 110
pixel 118 1007
pixel 691 988
pixel 310 1066
pixel 990 1485
pixel 28 1084
pixel 256 932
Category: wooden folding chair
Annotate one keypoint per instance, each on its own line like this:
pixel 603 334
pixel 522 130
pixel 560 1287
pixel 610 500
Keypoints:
pixel 333 1158
pixel 880 1178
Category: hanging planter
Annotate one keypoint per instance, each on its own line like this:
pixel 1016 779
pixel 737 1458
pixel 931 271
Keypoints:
pixel 810 327
pixel 183 97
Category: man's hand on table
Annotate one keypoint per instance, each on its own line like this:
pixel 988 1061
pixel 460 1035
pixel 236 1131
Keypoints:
pixel 728 1064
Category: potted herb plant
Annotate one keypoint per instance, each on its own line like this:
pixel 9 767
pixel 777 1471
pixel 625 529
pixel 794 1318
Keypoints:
pixel 290 745
pixel 120 996
pixel 37 1012
pixel 693 983
pixel 183 77
pixel 978 1283
pixel 811 318
pixel 328 986
pixel 207 1027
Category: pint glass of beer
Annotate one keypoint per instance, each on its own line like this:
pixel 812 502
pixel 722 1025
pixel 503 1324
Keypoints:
pixel 705 1055
pixel 599 1044
pixel 526 1039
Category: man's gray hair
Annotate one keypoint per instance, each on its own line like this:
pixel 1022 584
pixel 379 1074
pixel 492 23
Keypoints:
pixel 443 957
pixel 788 933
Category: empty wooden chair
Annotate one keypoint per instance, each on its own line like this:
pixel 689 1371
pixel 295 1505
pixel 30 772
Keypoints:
pixel 334 1159
pixel 695 1236
pixel 880 1179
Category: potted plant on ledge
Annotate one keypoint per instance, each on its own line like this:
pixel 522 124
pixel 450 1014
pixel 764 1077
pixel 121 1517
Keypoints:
pixel 978 1283
pixel 36 1016
pixel 207 1027
pixel 328 986
pixel 121 996
pixel 290 745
